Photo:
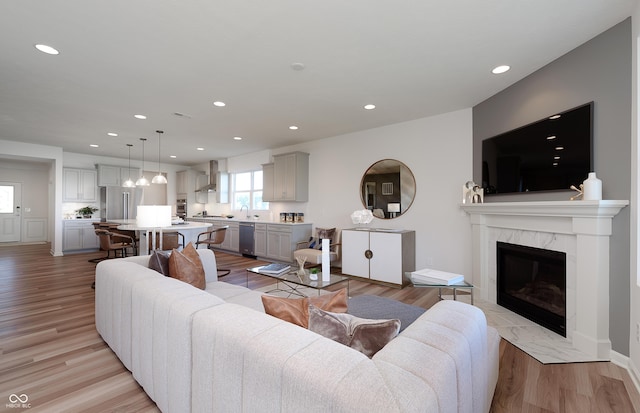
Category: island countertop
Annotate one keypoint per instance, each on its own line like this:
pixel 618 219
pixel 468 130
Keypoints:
pixel 189 230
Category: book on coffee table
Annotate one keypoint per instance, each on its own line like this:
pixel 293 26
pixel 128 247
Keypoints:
pixel 275 268
pixel 429 276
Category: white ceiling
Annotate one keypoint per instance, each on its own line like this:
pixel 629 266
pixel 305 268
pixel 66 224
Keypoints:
pixel 411 58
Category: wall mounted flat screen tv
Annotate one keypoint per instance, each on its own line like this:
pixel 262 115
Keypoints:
pixel 550 154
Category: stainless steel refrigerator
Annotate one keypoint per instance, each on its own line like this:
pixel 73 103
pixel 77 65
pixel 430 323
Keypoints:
pixel 119 203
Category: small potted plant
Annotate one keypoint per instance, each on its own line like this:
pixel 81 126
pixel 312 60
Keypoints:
pixel 86 212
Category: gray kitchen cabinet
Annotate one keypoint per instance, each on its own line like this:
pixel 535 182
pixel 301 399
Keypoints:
pixel 79 235
pixel 79 185
pixel 260 240
pixel 232 236
pixel 112 175
pixel 287 178
pixel 282 240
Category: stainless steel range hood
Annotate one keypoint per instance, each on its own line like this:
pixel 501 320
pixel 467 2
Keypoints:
pixel 213 171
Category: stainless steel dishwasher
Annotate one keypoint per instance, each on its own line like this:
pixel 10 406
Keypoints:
pixel 246 241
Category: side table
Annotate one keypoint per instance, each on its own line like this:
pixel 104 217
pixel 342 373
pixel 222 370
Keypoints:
pixel 454 287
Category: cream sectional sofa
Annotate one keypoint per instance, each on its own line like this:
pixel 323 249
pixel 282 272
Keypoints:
pixel 217 351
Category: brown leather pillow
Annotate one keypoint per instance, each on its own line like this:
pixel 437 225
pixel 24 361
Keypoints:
pixel 296 310
pixel 159 261
pixel 366 336
pixel 186 266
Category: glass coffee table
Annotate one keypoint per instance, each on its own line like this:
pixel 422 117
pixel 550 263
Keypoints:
pixel 293 280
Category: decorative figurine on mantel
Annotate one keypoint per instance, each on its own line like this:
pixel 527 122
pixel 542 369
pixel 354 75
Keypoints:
pixel 472 193
pixel 578 190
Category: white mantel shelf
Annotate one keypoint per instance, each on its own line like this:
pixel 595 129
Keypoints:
pixel 581 229
pixel 604 208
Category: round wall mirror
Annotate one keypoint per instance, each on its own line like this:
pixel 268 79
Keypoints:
pixel 387 189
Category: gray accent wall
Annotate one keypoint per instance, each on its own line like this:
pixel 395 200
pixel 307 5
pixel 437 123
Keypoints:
pixel 599 71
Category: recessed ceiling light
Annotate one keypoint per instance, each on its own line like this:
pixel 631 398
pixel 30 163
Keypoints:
pixel 293 127
pixel 141 117
pixel 556 157
pixel 199 149
pixel 555 164
pixel 237 138
pixel 554 117
pixel 297 66
pixel 500 69
pixel 550 138
pixel 93 145
pixel 369 106
pixel 112 134
pixel 559 148
pixel 172 156
pixel 47 49
pixel 219 104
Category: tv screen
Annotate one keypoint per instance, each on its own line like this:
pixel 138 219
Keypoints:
pixel 550 154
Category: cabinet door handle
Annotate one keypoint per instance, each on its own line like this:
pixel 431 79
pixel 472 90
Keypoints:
pixel 368 254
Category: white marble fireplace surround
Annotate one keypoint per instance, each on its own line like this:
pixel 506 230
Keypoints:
pixel 581 229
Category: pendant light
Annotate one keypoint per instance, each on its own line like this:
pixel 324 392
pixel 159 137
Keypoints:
pixel 142 181
pixel 159 179
pixel 129 183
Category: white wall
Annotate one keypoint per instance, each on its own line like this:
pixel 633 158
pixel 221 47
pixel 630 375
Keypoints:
pixel 52 156
pixel 437 150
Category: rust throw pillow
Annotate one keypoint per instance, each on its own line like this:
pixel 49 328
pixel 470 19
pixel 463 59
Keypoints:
pixel 366 336
pixel 296 310
pixel 186 266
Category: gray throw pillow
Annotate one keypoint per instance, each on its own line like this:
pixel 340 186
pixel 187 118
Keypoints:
pixel 159 261
pixel 366 336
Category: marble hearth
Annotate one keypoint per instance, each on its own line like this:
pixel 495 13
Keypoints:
pixel 581 229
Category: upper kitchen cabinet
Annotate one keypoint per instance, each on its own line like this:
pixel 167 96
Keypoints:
pixel 110 175
pixel 289 179
pixel 79 185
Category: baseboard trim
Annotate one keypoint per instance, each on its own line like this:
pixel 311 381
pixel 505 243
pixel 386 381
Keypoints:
pixel 627 364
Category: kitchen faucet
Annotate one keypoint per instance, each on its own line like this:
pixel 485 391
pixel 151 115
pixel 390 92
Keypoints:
pixel 245 206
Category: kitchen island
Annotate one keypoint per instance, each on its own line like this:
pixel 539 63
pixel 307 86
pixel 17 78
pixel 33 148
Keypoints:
pixel 190 230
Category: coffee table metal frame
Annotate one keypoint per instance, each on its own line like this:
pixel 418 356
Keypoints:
pixel 463 285
pixel 294 280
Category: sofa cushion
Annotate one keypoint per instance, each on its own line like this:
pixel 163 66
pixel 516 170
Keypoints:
pixel 366 336
pixel 186 266
pixel 159 261
pixel 296 310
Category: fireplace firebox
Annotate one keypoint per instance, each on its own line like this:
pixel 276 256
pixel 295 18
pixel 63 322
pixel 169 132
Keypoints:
pixel 532 282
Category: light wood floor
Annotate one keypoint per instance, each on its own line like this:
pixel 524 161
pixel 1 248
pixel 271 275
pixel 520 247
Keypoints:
pixel 51 352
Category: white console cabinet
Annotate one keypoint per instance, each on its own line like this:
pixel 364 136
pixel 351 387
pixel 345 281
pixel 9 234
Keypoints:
pixel 379 254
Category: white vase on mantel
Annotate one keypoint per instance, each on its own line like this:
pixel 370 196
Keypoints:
pixel 592 188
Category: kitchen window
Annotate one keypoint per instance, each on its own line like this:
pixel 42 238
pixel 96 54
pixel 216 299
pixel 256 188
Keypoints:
pixel 247 190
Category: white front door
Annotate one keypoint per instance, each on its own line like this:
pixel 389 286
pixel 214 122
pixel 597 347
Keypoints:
pixel 10 219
